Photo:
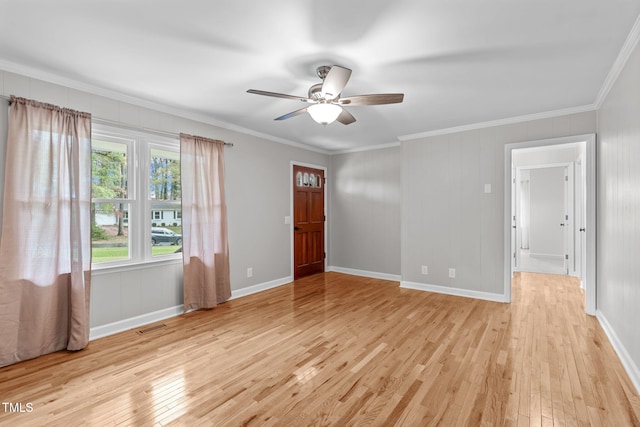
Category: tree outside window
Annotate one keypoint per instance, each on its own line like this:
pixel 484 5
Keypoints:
pixel 110 207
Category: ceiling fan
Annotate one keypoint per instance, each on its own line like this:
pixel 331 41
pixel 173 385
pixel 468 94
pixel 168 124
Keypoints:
pixel 326 103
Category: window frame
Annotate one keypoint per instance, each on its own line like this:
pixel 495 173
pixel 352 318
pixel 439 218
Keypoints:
pixel 139 215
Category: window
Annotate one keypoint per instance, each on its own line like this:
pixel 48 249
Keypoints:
pixel 110 198
pixel 165 196
pixel 308 180
pixel 136 193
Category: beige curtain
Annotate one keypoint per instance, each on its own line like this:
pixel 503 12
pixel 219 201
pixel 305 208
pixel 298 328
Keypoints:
pixel 45 249
pixel 205 247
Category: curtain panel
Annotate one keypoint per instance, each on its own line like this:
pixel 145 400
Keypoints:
pixel 45 248
pixel 205 245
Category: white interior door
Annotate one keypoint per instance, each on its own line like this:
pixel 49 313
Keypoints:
pixel 547 207
pixel 524 210
pixel 567 220
pixel 515 241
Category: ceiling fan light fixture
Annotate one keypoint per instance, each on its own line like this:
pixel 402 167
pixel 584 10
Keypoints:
pixel 324 113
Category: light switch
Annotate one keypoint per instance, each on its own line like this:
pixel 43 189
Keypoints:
pixel 487 188
pixel 287 220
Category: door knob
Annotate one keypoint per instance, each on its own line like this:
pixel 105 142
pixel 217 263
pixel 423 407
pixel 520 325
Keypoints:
pixel 296 228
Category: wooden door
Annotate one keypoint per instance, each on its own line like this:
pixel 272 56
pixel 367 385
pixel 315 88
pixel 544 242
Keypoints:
pixel 308 221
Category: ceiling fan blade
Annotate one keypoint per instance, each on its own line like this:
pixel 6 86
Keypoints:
pixel 345 117
pixel 278 95
pixel 292 114
pixel 373 99
pixel 335 81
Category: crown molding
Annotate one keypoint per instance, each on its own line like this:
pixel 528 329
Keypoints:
pixel 500 122
pixel 140 102
pixel 190 115
pixel 623 56
pixel 367 148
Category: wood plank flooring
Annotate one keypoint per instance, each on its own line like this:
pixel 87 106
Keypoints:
pixel 340 350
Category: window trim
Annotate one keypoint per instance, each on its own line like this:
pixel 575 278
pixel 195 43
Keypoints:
pixel 140 144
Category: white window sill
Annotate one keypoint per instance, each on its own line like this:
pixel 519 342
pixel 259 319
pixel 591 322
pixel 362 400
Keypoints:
pixel 98 269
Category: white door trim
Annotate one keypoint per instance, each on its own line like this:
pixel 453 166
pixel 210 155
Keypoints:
pixel 590 234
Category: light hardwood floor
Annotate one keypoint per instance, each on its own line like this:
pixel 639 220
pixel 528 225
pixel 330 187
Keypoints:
pixel 340 350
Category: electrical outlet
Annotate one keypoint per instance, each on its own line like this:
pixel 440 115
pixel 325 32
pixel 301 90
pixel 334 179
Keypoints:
pixel 250 272
pixel 452 273
pixel 425 269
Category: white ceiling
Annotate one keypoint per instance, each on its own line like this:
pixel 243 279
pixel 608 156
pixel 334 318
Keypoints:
pixel 458 62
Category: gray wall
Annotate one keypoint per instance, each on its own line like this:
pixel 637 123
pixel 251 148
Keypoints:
pixel 618 270
pixel 258 192
pixel 365 211
pixel 259 197
pixel 448 221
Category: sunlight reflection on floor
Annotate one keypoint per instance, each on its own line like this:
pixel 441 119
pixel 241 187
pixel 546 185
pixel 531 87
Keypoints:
pixel 169 395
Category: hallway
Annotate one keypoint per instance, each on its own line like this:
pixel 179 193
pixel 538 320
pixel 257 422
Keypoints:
pixel 534 264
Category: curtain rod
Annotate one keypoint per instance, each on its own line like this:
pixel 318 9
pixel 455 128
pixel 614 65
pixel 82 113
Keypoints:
pixel 127 126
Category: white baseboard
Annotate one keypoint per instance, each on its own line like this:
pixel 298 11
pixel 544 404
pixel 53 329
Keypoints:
pixel 364 273
pixel 134 322
pixel 453 291
pixel 260 287
pixel 621 351
pixel 145 319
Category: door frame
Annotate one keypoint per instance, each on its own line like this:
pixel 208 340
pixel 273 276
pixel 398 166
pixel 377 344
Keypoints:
pixel 581 221
pixel 326 212
pixel 590 203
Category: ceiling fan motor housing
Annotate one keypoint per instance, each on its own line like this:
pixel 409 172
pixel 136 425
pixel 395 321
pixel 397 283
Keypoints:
pixel 316 89
pixel 315 92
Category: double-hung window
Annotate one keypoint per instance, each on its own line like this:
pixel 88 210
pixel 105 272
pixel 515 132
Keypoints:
pixel 136 197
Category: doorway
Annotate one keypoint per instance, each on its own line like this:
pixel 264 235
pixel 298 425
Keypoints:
pixel 309 218
pixel 575 156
